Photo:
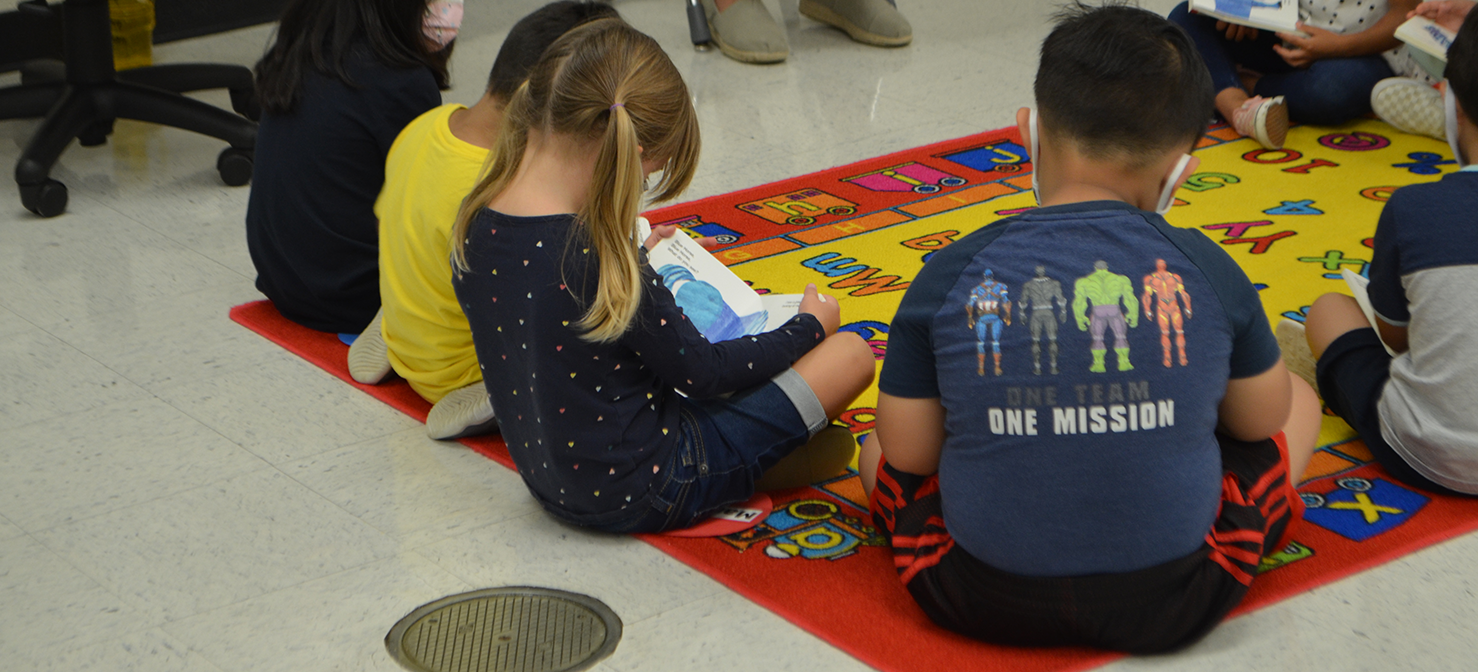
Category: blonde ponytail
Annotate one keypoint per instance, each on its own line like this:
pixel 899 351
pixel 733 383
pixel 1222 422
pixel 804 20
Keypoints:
pixel 610 218
pixel 603 82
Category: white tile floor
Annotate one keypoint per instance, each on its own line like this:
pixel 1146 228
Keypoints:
pixel 177 493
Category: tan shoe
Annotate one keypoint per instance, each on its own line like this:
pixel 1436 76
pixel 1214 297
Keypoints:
pixel 1296 353
pixel 465 411
pixel 746 32
pixel 874 22
pixel 369 357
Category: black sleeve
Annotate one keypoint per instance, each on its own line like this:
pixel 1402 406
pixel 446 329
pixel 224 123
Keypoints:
pixel 668 342
pixel 1387 294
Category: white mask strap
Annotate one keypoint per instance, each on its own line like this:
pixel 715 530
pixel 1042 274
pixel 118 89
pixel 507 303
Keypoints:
pixel 1036 148
pixel 1167 195
pixel 1449 103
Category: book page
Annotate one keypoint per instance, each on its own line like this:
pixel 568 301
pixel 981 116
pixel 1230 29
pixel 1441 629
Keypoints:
pixel 1275 15
pixel 1358 287
pixel 718 303
pixel 780 307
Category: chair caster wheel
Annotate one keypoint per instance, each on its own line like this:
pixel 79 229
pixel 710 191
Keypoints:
pixel 235 166
pixel 47 199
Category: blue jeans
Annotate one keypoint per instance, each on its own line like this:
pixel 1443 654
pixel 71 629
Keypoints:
pixel 726 445
pixel 1328 92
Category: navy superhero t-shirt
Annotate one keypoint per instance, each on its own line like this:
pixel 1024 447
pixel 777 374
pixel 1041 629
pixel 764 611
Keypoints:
pixel 1080 352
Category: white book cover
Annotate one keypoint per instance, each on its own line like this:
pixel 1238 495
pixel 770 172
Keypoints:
pixel 715 300
pixel 1275 15
pixel 1359 285
pixel 1428 43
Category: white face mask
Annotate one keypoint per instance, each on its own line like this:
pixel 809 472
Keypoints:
pixel 1449 103
pixel 1167 195
pixel 443 21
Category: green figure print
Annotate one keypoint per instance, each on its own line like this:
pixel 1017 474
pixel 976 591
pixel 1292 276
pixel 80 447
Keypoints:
pixel 1103 291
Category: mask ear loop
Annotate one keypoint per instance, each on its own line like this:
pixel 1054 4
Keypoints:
pixel 1449 104
pixel 1036 148
pixel 1167 195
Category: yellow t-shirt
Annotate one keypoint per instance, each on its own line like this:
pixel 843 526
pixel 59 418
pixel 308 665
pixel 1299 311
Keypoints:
pixel 427 174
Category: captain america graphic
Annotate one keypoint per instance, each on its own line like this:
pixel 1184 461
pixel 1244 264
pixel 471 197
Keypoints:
pixel 988 309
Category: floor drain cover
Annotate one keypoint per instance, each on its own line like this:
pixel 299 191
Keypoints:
pixel 506 630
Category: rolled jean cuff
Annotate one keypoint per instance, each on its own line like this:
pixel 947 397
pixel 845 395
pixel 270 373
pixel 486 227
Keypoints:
pixel 803 399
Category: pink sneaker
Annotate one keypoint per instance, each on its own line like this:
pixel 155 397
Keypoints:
pixel 1264 120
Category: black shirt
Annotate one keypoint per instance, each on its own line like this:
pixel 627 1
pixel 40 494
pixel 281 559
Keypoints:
pixel 591 425
pixel 310 221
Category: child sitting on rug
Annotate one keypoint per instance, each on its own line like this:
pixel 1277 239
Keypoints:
pixel 584 348
pixel 1415 411
pixel 1111 498
pixel 340 81
pixel 420 331
pixel 1322 74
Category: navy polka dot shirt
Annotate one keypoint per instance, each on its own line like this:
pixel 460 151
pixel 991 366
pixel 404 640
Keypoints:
pixel 591 426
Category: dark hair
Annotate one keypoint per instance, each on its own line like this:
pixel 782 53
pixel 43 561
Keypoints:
pixel 1462 66
pixel 1122 82
pixel 323 34
pixel 528 39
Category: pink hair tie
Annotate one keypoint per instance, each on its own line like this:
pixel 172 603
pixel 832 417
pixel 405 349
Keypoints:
pixel 613 107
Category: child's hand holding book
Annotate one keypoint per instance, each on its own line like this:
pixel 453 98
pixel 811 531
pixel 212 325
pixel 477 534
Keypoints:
pixel 825 308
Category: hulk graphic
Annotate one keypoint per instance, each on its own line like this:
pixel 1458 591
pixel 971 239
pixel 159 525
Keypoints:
pixel 1037 296
pixel 1104 291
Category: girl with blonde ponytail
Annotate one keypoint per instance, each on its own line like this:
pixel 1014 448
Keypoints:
pixel 584 349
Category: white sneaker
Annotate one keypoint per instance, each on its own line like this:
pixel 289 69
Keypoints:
pixel 369 357
pixel 1410 106
pixel 1297 356
pixel 465 411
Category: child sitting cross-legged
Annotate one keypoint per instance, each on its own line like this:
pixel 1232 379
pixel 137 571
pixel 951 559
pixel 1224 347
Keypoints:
pixel 585 349
pixel 1415 410
pixel 420 331
pixel 1118 495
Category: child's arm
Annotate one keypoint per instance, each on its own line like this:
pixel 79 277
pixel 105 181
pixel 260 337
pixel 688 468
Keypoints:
pixel 910 433
pixel 1394 336
pixel 1257 407
pixel 1300 51
pixel 668 342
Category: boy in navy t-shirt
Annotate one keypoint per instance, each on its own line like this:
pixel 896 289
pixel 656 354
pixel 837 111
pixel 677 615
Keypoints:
pixel 1122 495
pixel 1415 410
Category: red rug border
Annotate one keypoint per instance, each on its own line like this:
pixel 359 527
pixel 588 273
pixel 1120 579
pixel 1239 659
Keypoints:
pixel 1255 601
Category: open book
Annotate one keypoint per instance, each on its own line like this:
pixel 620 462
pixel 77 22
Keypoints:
pixel 1276 15
pixel 717 302
pixel 1359 287
pixel 1429 43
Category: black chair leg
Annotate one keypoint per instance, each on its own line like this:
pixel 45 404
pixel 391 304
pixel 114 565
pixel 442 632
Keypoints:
pixel 29 101
pixel 184 77
pixel 133 101
pixel 69 117
pixel 142 103
pixel 73 113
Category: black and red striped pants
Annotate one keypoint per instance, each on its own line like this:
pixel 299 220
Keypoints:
pixel 1152 610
